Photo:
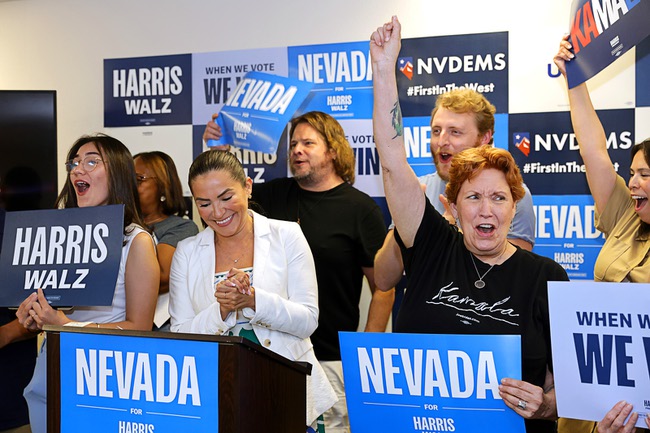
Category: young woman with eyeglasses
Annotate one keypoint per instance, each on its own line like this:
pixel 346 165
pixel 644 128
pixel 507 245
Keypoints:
pixel 100 172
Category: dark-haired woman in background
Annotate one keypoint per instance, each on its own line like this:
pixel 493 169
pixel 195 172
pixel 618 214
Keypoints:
pixel 100 172
pixel 163 210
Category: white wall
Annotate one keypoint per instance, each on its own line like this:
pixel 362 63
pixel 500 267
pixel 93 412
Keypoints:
pixel 61 44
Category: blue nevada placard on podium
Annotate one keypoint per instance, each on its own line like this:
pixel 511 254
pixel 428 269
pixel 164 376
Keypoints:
pixel 72 254
pixel 113 384
pixel 429 383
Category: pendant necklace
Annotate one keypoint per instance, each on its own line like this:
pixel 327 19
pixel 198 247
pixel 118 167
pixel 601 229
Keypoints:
pixel 242 248
pixel 479 284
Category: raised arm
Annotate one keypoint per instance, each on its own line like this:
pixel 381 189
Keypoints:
pixel 590 134
pixel 405 199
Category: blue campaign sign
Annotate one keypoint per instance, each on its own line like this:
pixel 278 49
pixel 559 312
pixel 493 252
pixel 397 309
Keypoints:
pixel 546 150
pixel 427 382
pixel 428 67
pixel 258 110
pixel 138 384
pixel 72 254
pixel 601 31
pixel 341 75
pixel 260 167
pixel 642 73
pixel 417 143
pixel 148 91
pixel 565 233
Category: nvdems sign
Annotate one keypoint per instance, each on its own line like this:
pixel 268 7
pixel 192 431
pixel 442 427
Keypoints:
pixel 137 384
pixel 429 67
pixel 425 382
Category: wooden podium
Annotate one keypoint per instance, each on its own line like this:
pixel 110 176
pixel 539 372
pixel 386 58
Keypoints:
pixel 258 390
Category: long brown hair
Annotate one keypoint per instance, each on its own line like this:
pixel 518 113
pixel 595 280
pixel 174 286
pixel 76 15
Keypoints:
pixel 334 136
pixel 120 170
pixel 167 180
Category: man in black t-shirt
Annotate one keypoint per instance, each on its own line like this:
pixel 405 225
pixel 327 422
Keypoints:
pixel 344 228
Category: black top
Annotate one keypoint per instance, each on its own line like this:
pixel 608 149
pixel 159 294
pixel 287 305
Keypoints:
pixel 17 362
pixel 344 228
pixel 441 297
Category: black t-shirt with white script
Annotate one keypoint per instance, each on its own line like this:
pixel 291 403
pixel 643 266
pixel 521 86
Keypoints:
pixel 441 297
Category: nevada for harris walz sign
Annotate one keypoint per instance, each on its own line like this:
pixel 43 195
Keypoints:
pixel 601 31
pixel 257 112
pixel 72 254
pixel 425 383
pixel 124 384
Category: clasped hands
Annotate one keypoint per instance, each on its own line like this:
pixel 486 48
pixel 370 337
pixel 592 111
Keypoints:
pixel 35 311
pixel 235 292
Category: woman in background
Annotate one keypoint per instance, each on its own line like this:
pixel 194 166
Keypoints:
pixel 163 209
pixel 247 275
pixel 471 281
pixel 100 172
pixel 622 210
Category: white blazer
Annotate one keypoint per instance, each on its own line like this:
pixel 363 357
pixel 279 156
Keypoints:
pixel 286 297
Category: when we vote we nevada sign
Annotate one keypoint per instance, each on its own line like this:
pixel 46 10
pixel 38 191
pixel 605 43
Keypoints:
pixel 600 333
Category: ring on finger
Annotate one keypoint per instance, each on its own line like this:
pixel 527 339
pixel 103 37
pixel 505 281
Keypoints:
pixel 522 405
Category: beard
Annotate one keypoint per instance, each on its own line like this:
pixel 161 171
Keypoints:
pixel 444 175
pixel 313 175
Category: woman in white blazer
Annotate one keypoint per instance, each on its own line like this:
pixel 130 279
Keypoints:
pixel 246 274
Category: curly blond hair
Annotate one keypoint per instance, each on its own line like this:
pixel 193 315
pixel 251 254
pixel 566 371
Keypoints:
pixel 463 100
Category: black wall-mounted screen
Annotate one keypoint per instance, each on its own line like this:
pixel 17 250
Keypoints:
pixel 28 150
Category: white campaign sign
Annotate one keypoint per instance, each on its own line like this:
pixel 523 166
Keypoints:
pixel 600 335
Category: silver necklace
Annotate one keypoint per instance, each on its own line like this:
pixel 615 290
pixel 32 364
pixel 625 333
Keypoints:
pixel 479 284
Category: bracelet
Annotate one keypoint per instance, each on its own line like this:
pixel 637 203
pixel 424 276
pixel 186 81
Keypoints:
pixel 77 324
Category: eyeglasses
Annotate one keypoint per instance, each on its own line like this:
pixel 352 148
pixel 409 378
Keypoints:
pixel 142 178
pixel 89 163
